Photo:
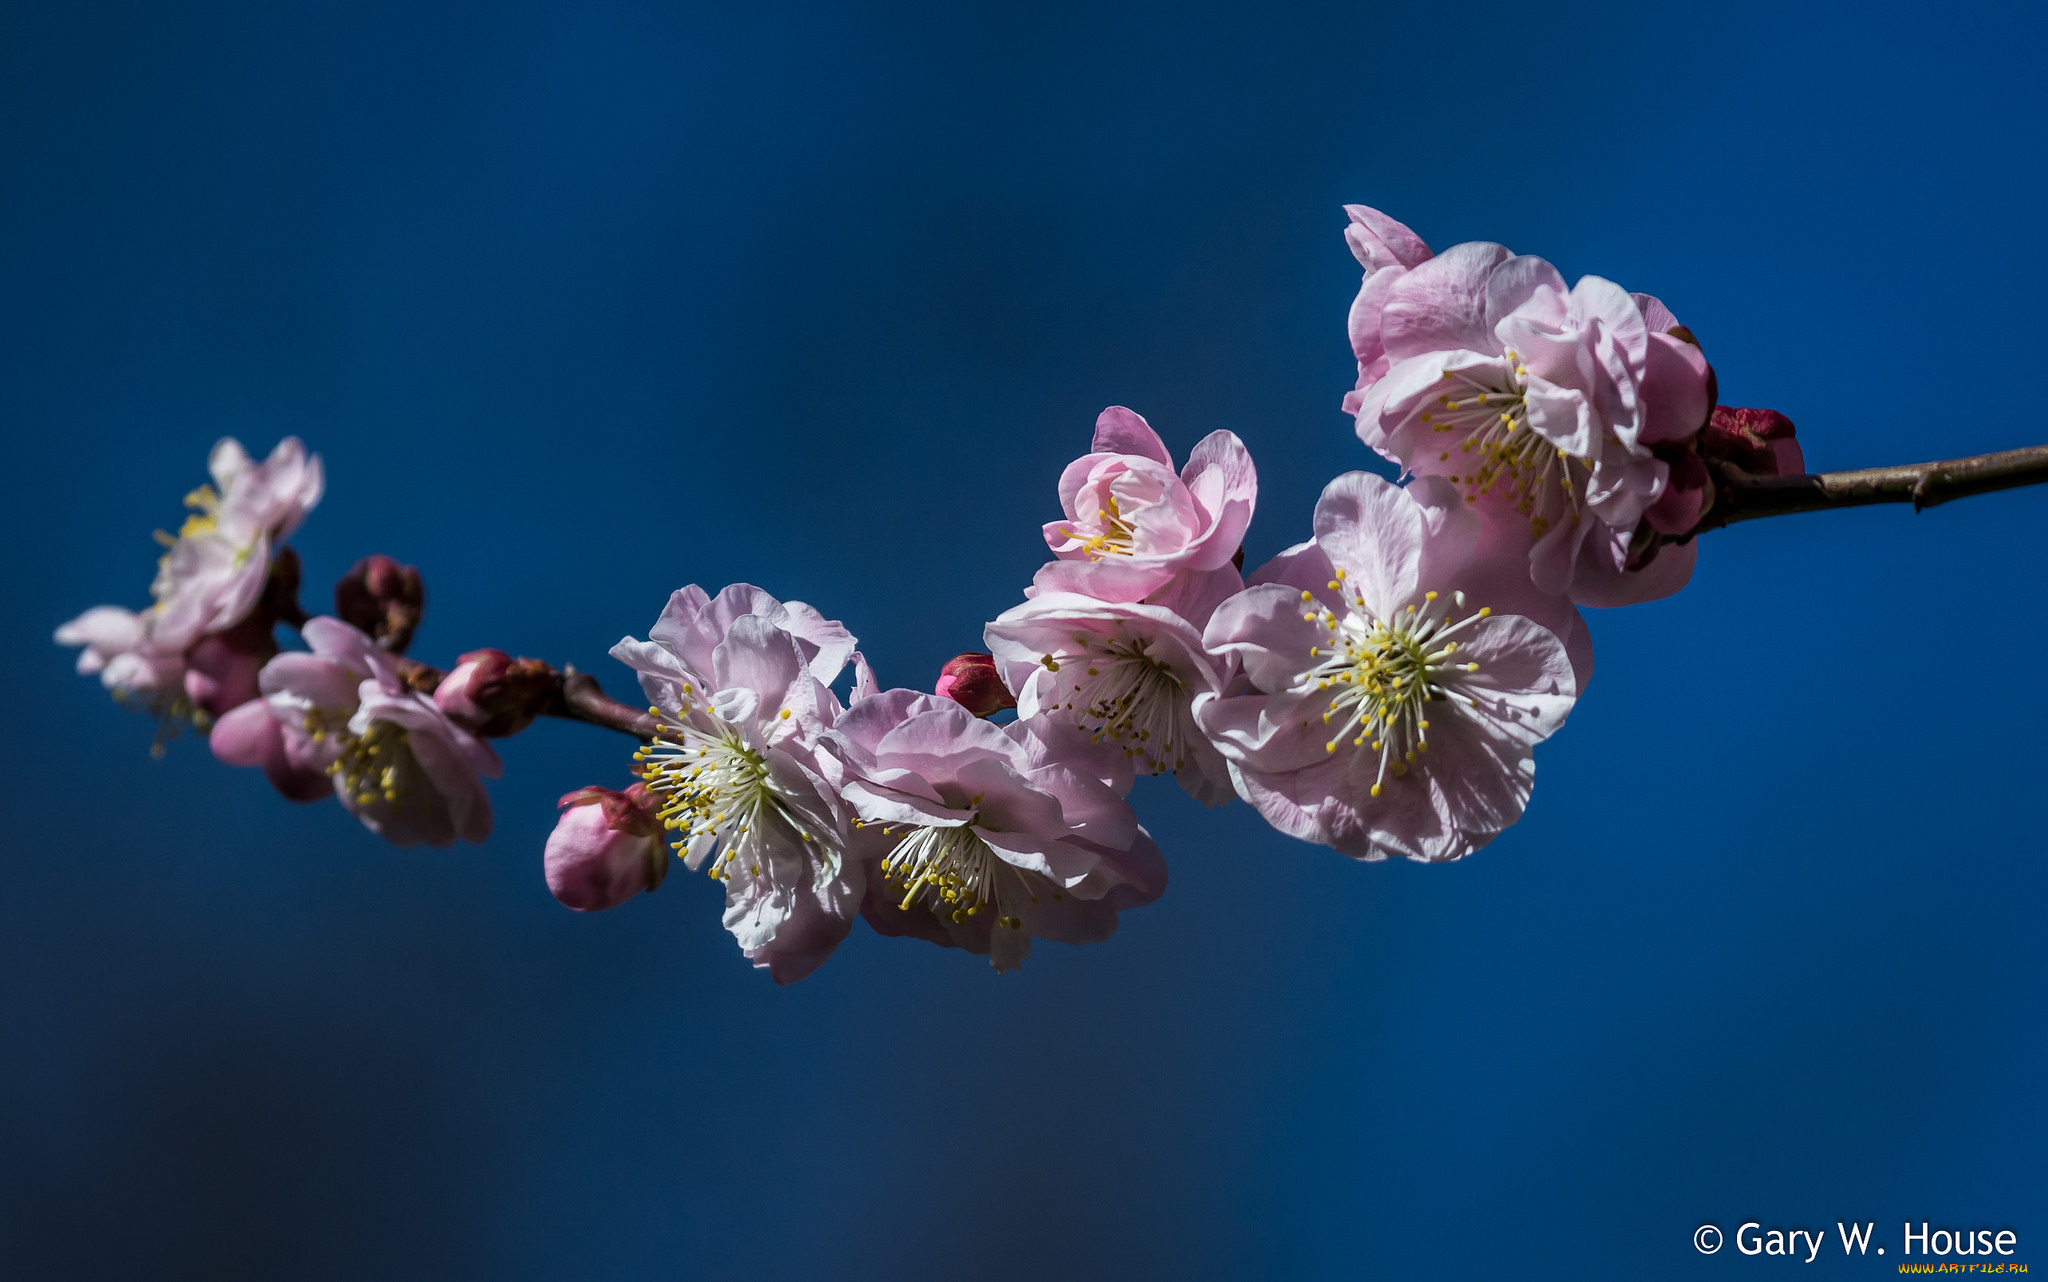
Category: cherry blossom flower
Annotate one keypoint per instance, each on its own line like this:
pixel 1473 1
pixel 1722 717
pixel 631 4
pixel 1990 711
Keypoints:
pixel 606 848
pixel 213 574
pixel 976 838
pixel 738 683
pixel 1125 674
pixel 195 653
pixel 1543 403
pixel 1393 710
pixel 343 716
pixel 1134 526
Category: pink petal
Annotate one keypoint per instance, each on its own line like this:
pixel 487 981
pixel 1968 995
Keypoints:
pixel 1374 532
pixel 1440 305
pixel 1122 431
pixel 1380 242
pixel 1225 485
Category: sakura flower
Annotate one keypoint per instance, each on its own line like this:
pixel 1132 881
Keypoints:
pixel 606 848
pixel 194 654
pixel 1133 525
pixel 1393 713
pixel 1124 674
pixel 1542 403
pixel 976 838
pixel 343 716
pixel 738 683
pixel 214 572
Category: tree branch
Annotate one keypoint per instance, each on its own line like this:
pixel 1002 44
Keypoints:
pixel 1739 496
pixel 576 697
pixel 579 698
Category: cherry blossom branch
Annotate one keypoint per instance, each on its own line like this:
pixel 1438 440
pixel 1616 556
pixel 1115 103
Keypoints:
pixel 579 698
pixel 1741 496
pixel 566 693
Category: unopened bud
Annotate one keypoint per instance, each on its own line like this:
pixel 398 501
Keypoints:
pixel 606 848
pixel 384 599
pixel 971 680
pixel 221 667
pixel 1759 441
pixel 492 694
pixel 1688 493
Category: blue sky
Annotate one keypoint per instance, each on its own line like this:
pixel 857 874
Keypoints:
pixel 584 302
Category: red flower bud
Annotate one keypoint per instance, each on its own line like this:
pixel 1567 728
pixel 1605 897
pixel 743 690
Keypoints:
pixel 606 848
pixel 1758 441
pixel 384 599
pixel 971 681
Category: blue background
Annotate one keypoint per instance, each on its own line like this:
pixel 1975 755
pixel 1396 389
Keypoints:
pixel 583 302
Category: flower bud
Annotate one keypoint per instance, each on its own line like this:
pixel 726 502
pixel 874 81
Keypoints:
pixel 384 599
pixel 221 667
pixel 1688 492
pixel 492 694
pixel 1758 441
pixel 606 848
pixel 971 681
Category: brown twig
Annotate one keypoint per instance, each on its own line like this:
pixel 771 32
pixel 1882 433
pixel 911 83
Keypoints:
pixel 579 698
pixel 1740 496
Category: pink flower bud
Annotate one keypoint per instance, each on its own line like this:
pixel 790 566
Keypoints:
pixel 1688 493
pixel 1758 441
pixel 221 667
pixel 383 598
pixel 492 694
pixel 606 848
pixel 971 680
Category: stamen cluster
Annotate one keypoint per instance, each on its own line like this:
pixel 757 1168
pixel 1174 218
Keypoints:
pixel 1386 672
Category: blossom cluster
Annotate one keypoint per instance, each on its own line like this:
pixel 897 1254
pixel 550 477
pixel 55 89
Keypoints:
pixel 1379 688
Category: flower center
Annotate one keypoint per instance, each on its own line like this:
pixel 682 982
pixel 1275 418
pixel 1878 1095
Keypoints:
pixel 1115 537
pixel 956 874
pixel 1119 691
pixel 373 765
pixel 1386 672
pixel 1500 450
pixel 716 793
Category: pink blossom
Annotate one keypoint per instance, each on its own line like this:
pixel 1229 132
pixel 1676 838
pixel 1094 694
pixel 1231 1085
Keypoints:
pixel 606 848
pixel 194 654
pixel 739 684
pixel 343 712
pixel 1542 403
pixel 213 574
pixel 1124 674
pixel 976 838
pixel 1133 525
pixel 1393 711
